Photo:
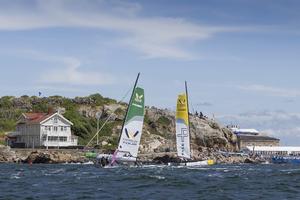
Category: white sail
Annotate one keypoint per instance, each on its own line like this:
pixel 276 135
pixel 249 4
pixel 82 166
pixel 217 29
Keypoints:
pixel 182 128
pixel 133 126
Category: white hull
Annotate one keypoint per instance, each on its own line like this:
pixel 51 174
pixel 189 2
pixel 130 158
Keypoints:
pixel 193 163
pixel 118 161
pixel 198 163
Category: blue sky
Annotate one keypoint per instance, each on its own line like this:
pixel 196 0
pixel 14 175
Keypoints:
pixel 240 57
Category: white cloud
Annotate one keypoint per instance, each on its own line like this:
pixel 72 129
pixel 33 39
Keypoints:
pixel 152 36
pixel 71 74
pixel 274 91
pixel 65 70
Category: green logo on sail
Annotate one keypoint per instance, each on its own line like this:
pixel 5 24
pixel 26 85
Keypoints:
pixel 132 130
pixel 137 105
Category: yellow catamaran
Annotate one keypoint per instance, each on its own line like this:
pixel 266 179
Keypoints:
pixel 183 132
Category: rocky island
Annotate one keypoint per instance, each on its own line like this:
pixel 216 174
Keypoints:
pixel 208 137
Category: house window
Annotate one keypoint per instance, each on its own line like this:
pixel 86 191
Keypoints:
pixel 44 138
pixel 55 120
pixel 55 128
pixel 63 139
pixel 65 128
pixel 52 138
pixel 62 128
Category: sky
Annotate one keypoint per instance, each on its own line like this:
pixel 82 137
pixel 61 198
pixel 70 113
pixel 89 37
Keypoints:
pixel 240 57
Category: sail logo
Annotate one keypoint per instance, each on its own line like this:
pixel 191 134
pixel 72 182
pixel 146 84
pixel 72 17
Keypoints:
pixel 138 98
pixel 181 101
pixel 131 135
pixel 181 106
pixel 183 134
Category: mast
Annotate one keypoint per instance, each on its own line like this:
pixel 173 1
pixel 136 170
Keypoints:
pixel 188 109
pixel 187 101
pixel 135 84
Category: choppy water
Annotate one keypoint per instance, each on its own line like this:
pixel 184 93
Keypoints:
pixel 149 182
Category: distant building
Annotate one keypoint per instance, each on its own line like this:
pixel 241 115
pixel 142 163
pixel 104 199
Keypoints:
pixel 256 140
pixel 274 151
pixel 252 137
pixel 42 130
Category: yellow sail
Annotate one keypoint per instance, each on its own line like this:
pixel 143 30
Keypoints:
pixel 182 109
pixel 182 127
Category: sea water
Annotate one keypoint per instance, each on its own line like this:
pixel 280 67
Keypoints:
pixel 71 181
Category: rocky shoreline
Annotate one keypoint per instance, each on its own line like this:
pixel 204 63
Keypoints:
pixel 205 154
pixel 8 155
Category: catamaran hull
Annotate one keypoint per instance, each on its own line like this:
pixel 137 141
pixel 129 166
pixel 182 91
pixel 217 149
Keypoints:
pixel 199 163
pixel 193 164
pixel 106 160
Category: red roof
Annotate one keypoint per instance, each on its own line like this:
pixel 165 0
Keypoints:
pixel 36 117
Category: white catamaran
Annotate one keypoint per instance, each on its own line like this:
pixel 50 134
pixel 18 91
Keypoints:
pixel 129 140
pixel 183 132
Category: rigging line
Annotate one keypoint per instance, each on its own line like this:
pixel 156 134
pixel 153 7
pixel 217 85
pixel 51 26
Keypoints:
pixel 108 118
pixel 188 109
pixel 197 121
pixel 129 103
pixel 192 105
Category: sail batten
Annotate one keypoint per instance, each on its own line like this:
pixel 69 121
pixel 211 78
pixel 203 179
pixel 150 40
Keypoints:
pixel 182 127
pixel 133 125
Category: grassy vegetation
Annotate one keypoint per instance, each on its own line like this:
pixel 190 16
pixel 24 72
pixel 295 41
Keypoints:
pixel 146 118
pixel 2 142
pixel 6 102
pixel 120 111
pixel 164 121
pixel 11 108
pixel 100 100
pixel 7 125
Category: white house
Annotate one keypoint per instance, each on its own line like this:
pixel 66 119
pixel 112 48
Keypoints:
pixel 44 130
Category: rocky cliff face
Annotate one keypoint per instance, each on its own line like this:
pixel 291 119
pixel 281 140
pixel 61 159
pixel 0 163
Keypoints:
pixel 159 134
pixel 159 131
pixel 159 127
